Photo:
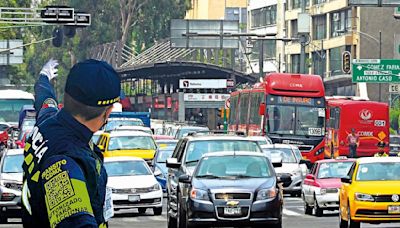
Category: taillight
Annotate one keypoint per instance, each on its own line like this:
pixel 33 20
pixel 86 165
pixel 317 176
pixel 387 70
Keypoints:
pixel 5 196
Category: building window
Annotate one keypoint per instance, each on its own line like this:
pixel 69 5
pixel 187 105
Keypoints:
pixel 293 28
pixel 319 1
pixel 340 22
pixel 335 59
pixel 263 16
pixel 318 64
pixel 319 27
pixel 295 64
pixel 297 4
pixel 269 49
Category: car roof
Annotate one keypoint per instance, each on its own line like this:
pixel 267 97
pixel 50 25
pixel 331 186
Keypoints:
pixel 217 137
pixel 367 160
pixel 192 127
pixel 277 146
pixel 15 151
pixel 128 133
pixel 166 140
pixel 257 138
pixel 123 127
pixel 234 153
pixel 336 160
pixel 121 158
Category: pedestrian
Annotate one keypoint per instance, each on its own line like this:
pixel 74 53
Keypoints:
pixel 353 140
pixel 64 183
pixel 381 147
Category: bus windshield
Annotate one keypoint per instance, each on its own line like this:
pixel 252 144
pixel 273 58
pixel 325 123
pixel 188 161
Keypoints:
pixel 295 119
pixel 9 109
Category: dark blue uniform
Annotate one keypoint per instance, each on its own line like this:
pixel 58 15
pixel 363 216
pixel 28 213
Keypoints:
pixel 64 177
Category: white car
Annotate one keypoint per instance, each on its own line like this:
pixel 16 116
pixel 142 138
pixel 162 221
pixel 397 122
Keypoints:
pixel 133 184
pixel 262 140
pixel 292 165
pixel 11 184
pixel 134 128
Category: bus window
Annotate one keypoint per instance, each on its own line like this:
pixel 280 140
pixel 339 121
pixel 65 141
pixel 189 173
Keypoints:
pixel 232 114
pixel 244 108
pixel 334 118
pixel 256 100
pixel 281 119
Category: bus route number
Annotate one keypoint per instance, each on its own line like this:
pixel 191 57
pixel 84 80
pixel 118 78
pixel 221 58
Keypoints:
pixel 380 123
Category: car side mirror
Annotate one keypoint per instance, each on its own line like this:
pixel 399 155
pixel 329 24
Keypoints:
pixel 101 148
pixel 284 178
pixel 346 180
pixel 310 177
pixel 157 173
pixel 306 162
pixel 185 179
pixel 173 163
pixel 277 164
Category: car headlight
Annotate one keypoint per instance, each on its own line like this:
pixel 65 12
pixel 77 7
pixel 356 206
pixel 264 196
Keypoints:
pixel 199 194
pixel 269 193
pixel 322 191
pixel 155 187
pixel 11 184
pixel 363 197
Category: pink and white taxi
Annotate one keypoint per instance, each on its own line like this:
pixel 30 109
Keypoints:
pixel 320 189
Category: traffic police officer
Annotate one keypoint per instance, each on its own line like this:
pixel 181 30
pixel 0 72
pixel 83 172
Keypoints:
pixel 381 145
pixel 64 178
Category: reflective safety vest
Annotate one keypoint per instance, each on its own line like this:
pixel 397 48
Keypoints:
pixel 381 155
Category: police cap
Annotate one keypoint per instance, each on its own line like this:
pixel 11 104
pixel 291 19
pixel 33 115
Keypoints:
pixel 381 144
pixel 93 83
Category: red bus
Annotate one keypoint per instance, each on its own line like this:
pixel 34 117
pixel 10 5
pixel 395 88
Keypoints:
pixel 370 119
pixel 288 108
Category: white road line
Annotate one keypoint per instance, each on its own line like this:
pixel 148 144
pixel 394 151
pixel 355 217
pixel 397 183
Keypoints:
pixel 290 213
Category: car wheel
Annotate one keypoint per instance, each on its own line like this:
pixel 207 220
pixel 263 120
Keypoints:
pixel 351 223
pixel 307 208
pixel 181 216
pixel 3 219
pixel 142 210
pixel 342 223
pixel 171 222
pixel 317 210
pixel 157 210
pixel 277 225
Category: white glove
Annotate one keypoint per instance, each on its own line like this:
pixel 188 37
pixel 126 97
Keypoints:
pixel 50 69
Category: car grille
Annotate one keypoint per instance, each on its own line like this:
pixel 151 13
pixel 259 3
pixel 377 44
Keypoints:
pixel 332 190
pixel 305 148
pixel 131 190
pixel 141 202
pixel 228 196
pixel 375 213
pixel 383 198
pixel 244 213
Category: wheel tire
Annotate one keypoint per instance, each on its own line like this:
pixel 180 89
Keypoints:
pixel 157 210
pixel 351 223
pixel 3 219
pixel 171 222
pixel 142 210
pixel 307 209
pixel 277 225
pixel 317 210
pixel 181 216
pixel 342 223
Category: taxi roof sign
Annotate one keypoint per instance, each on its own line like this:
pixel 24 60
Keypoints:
pixel 341 158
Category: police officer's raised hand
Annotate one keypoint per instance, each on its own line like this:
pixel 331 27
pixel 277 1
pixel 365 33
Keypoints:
pixel 50 69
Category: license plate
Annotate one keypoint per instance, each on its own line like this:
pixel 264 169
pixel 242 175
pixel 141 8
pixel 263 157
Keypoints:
pixel 232 211
pixel 133 198
pixel 394 209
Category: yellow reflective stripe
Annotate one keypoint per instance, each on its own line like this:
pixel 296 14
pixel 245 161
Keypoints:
pixel 35 177
pixel 28 159
pixel 27 146
pixel 31 168
pixel 103 225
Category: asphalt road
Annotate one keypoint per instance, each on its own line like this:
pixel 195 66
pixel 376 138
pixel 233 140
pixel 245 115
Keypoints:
pixel 293 216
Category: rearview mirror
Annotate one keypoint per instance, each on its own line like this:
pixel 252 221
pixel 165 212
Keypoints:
pixel 185 179
pixel 346 180
pixel 306 162
pixel 157 173
pixel 173 163
pixel 277 164
pixel 261 110
pixel 101 147
pixel 284 178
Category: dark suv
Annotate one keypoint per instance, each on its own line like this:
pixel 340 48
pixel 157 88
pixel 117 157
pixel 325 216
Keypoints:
pixel 185 157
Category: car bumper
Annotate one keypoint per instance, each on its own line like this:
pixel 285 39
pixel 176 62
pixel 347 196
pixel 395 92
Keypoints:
pixel 151 199
pixel 206 213
pixel 11 207
pixel 328 200
pixel 373 212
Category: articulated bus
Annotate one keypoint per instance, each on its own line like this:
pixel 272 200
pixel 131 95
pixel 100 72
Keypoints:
pixel 11 102
pixel 288 108
pixel 370 119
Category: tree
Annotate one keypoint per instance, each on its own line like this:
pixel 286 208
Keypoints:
pixel 129 9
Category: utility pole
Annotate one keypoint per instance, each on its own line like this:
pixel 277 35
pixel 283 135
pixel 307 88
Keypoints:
pixel 302 43
pixel 380 57
pixel 261 58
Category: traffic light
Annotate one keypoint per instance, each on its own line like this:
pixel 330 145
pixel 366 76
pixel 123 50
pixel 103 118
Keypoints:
pixel 58 37
pixel 346 62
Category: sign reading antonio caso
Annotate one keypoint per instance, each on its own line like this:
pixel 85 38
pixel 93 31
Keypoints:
pixel 376 70
pixel 205 83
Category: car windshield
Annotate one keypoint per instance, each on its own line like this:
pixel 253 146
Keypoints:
pixel 115 123
pixel 126 168
pixel 295 120
pixel 395 140
pixel 233 167
pixel 163 155
pixel 285 154
pixel 10 108
pixel 131 143
pixel 379 171
pixel 196 149
pixel 333 169
pixel 13 163
pixel 164 144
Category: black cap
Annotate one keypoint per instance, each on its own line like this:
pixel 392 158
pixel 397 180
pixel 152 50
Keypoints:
pixel 381 144
pixel 94 83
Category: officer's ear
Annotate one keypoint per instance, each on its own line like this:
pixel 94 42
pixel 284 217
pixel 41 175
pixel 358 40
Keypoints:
pixel 108 112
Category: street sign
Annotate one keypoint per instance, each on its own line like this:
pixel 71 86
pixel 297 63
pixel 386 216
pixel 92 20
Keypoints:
pixel 13 56
pixel 394 88
pixel 58 14
pixel 376 70
pixel 81 20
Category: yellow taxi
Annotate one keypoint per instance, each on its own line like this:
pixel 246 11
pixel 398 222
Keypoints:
pixel 127 143
pixel 371 192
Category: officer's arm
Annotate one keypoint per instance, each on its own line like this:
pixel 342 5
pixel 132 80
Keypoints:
pixel 45 99
pixel 66 195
